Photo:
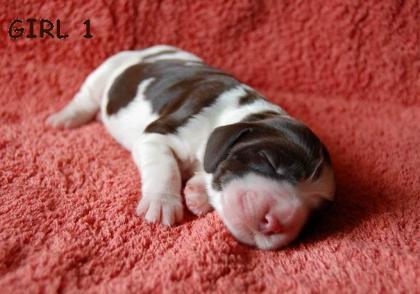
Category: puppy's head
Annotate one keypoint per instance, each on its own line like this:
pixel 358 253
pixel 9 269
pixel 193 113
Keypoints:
pixel 267 177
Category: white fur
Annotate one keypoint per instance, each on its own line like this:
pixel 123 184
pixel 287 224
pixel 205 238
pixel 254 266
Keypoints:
pixel 161 179
pixel 291 204
pixel 129 122
pixel 164 159
pixel 180 55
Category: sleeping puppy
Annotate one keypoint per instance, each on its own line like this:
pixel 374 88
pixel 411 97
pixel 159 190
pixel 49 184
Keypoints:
pixel 263 171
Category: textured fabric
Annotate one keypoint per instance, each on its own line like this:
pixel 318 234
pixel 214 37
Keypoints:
pixel 349 69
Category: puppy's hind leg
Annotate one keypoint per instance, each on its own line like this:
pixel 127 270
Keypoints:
pixel 83 107
pixel 85 104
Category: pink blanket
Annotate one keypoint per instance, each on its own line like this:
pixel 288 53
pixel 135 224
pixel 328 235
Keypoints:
pixel 349 69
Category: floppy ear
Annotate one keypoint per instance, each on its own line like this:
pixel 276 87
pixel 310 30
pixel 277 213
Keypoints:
pixel 220 142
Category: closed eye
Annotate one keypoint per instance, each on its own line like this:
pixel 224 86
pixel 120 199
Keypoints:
pixel 278 170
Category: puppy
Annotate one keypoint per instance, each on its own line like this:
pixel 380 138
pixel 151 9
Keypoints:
pixel 263 171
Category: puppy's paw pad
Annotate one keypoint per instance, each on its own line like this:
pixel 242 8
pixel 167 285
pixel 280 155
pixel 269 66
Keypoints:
pixel 164 209
pixel 196 198
pixel 69 117
pixel 195 187
pixel 55 120
pixel 63 120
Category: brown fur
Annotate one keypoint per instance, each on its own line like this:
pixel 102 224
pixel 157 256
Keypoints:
pixel 178 92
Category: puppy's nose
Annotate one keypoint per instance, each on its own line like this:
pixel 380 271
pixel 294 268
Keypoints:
pixel 270 225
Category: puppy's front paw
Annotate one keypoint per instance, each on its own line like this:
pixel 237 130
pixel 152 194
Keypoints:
pixel 196 197
pixel 163 208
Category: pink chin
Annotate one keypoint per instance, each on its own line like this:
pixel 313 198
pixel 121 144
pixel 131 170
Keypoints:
pixel 262 212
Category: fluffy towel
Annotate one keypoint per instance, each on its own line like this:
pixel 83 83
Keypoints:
pixel 350 69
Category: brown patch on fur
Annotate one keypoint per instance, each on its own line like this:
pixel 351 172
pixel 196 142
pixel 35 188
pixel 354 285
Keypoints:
pixel 178 92
pixel 124 88
pixel 250 97
pixel 261 116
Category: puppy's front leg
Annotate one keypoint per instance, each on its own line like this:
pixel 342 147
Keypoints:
pixel 161 180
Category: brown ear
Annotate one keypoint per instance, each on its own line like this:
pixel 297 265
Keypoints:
pixel 220 142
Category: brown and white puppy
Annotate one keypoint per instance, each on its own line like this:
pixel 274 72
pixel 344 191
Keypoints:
pixel 261 170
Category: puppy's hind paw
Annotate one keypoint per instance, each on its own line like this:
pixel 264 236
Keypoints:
pixel 68 119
